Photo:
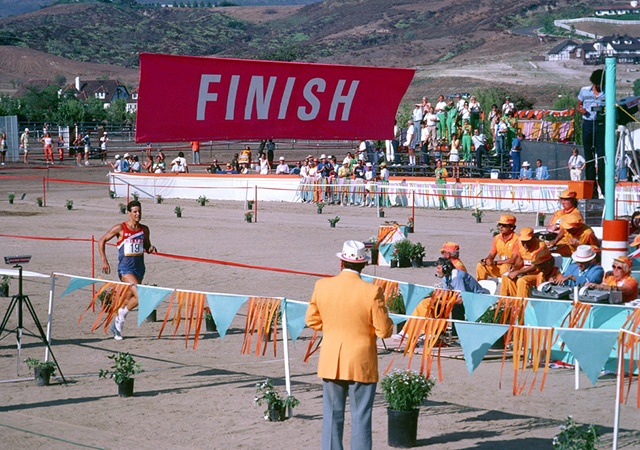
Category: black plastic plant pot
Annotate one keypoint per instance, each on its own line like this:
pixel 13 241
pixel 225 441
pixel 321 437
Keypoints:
pixel 125 389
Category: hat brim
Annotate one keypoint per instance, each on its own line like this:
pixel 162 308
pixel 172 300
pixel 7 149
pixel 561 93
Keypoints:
pixel 344 258
pixel 583 259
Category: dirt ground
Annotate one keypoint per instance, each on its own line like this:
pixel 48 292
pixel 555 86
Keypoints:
pixel 203 398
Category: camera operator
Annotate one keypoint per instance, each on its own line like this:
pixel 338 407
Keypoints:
pixel 590 105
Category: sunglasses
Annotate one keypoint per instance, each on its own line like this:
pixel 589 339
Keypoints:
pixel 504 225
pixel 618 267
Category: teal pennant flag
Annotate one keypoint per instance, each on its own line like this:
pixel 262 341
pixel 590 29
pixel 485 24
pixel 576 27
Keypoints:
pixel 78 283
pixel 224 308
pixel 367 278
pixel 413 295
pixel 550 313
pixel 295 317
pixel 476 304
pixel 396 319
pixel 591 348
pixel 608 317
pixel 386 250
pixel 149 297
pixel 476 339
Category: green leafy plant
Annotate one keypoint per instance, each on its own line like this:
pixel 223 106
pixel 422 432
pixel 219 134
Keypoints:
pixel 207 313
pixel 320 205
pixel 410 222
pixel 492 314
pixel 178 210
pixel 575 437
pixel 403 249
pixel 335 220
pixel 124 368
pixel 406 390
pixel 248 216
pixel 477 213
pixel 39 201
pixel 69 204
pixel 112 194
pixel 418 251
pixel 374 243
pixel 158 198
pixel 123 208
pixel 267 394
pixel 4 286
pixel 47 366
pixel 202 200
pixel 395 304
pixel 135 196
pixel 494 231
pixel 12 197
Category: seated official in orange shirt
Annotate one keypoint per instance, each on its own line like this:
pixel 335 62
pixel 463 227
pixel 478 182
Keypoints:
pixel 621 280
pixel 569 203
pixel 451 251
pixel 576 233
pixel 533 258
pixel 504 246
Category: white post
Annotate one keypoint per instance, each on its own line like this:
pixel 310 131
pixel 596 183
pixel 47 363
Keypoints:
pixel 285 350
pixel 616 416
pixel 576 298
pixel 50 316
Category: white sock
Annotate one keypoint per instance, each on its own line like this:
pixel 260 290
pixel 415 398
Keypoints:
pixel 122 313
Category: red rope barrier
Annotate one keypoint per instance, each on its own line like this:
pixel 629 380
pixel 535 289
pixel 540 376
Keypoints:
pixel 186 258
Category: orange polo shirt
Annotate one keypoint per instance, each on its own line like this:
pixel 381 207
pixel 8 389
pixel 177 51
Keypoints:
pixel 627 281
pixel 585 236
pixel 561 214
pixel 529 256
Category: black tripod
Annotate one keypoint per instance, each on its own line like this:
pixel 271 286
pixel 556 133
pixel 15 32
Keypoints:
pixel 23 300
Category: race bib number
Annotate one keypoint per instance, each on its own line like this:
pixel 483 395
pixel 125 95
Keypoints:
pixel 527 262
pixel 134 247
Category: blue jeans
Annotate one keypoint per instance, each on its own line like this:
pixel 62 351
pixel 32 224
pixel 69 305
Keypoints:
pixel 515 156
pixel 593 142
pixel 500 144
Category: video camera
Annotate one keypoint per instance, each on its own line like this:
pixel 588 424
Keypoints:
pixel 627 107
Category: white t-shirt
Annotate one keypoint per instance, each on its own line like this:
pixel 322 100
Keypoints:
pixel 576 161
pixel 409 136
pixel 440 106
pixel 431 119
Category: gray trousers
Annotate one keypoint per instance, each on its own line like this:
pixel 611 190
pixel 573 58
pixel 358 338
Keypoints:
pixel 334 396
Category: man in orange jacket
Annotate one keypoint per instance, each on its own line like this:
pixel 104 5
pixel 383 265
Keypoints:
pixel 350 313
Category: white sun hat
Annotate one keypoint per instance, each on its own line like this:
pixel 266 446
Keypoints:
pixel 353 251
pixel 583 253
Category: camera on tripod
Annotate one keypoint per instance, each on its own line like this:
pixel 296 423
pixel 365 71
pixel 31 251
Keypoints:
pixel 627 107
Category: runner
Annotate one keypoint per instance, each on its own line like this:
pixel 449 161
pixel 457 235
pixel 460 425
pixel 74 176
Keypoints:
pixel 133 240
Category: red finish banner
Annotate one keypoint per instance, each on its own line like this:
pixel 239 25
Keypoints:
pixel 185 98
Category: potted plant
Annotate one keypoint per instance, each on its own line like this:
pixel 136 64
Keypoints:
pixel 135 196
pixel 276 405
pixel 12 196
pixel 158 199
pixel 380 212
pixel 573 436
pixel 395 305
pixel 4 286
pixel 178 211
pixel 541 218
pixel 393 263
pixel 248 216
pixel 39 201
pixel 405 391
pixel 374 250
pixel 123 369
pixel 332 222
pixel 208 320
pixel 410 225
pixel 404 250
pixel 417 254
pixel 69 205
pixel 42 371
pixel 320 205
pixel 202 200
pixel 249 204
pixel 112 194
pixel 123 208
pixel 478 213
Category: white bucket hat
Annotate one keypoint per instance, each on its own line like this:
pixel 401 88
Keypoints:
pixel 282 158
pixel 117 156
pixel 323 156
pixel 126 155
pixel 526 164
pixel 583 253
pixel 353 251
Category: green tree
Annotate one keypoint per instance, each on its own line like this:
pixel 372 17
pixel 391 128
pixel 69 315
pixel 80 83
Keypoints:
pixel 70 111
pixel 41 105
pixel 636 87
